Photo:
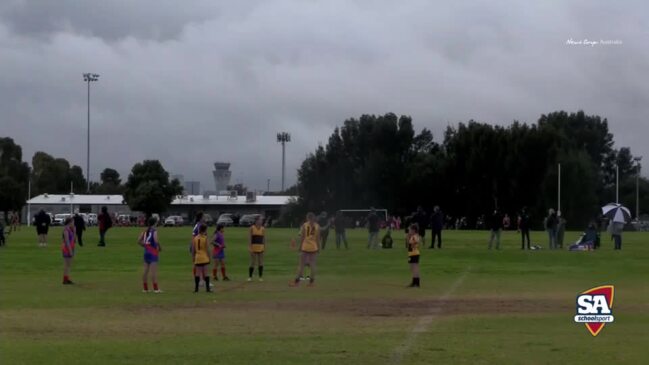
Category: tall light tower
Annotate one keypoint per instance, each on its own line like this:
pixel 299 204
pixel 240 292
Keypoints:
pixel 282 138
pixel 637 187
pixel 88 78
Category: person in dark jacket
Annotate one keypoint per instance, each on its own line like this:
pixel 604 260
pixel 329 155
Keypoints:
pixel 373 229
pixel 421 219
pixel 105 222
pixel 495 227
pixel 324 223
pixel 79 227
pixel 339 225
pixel 436 224
pixel 551 227
pixel 524 228
pixel 42 222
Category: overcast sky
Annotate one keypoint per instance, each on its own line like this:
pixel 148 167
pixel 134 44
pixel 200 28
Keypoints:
pixel 193 82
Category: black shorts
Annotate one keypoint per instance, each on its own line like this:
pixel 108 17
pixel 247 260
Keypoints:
pixel 202 265
pixel 413 259
pixel 41 230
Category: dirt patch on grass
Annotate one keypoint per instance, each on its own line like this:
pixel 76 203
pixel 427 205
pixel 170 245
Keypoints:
pixel 406 308
pixel 415 308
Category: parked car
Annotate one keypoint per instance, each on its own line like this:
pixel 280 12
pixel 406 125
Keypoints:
pixel 208 219
pixel 174 220
pixel 225 219
pixel 248 220
pixel 92 219
pixel 59 219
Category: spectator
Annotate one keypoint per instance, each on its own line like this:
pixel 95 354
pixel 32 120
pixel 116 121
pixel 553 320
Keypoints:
pixel 15 222
pixel 323 222
pixel 615 229
pixel 495 226
pixel 373 228
pixel 524 228
pixel 105 223
pixel 2 233
pixel 398 223
pixel 506 222
pixel 561 230
pixel 421 219
pixel 387 241
pixel 79 227
pixel 551 228
pixel 436 224
pixel 339 225
pixel 42 222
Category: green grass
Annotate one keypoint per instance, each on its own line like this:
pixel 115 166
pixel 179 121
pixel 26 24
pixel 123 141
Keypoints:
pixel 499 307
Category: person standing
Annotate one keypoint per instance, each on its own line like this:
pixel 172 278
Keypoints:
pixel 2 233
pixel 524 228
pixel 149 241
pixel 79 227
pixel 421 219
pixel 256 247
pixel 67 249
pixel 413 254
pixel 323 222
pixel 309 247
pixel 201 258
pixel 15 221
pixel 42 222
pixel 105 223
pixel 436 224
pixel 506 222
pixel 495 226
pixel 561 230
pixel 218 253
pixel 339 226
pixel 551 228
pixel 615 229
pixel 373 229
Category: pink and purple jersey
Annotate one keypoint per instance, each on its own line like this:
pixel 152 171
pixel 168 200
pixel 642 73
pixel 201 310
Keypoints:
pixel 151 247
pixel 68 249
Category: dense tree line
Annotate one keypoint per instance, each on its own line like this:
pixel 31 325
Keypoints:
pixel 148 188
pixel 381 161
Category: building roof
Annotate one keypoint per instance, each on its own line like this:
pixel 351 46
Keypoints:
pixel 60 199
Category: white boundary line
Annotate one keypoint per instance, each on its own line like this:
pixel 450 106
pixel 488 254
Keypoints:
pixel 425 321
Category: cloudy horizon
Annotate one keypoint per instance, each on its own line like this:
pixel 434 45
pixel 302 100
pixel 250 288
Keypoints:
pixel 216 81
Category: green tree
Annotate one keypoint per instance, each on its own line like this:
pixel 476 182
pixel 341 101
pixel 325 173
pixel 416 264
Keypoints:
pixel 148 188
pixel 111 183
pixel 55 175
pixel 14 176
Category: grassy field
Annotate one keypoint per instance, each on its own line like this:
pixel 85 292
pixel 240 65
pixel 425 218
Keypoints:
pixel 475 306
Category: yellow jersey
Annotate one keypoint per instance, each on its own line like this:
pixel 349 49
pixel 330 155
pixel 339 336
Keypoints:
pixel 413 245
pixel 257 238
pixel 310 238
pixel 201 253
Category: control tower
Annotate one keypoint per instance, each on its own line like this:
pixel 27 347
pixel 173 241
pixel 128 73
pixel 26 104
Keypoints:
pixel 222 175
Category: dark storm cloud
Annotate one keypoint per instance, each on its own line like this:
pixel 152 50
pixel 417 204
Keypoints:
pixel 193 84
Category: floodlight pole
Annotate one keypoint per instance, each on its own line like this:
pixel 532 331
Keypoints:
pixel 559 189
pixel 267 185
pixel 617 184
pixel 282 138
pixel 88 78
pixel 29 205
pixel 637 188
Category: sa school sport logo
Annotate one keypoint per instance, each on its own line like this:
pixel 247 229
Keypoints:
pixel 594 308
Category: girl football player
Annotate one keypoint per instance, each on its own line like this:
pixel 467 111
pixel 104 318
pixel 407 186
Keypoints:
pixel 413 254
pixel 149 241
pixel 309 247
pixel 256 247
pixel 67 249
pixel 218 253
pixel 201 258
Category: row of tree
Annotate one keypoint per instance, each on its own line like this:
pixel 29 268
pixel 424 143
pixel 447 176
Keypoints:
pixel 148 188
pixel 381 161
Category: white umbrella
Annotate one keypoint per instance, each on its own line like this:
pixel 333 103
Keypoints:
pixel 616 212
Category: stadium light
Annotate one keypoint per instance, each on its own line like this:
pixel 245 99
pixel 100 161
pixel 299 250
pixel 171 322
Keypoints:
pixel 637 187
pixel 88 78
pixel 282 138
